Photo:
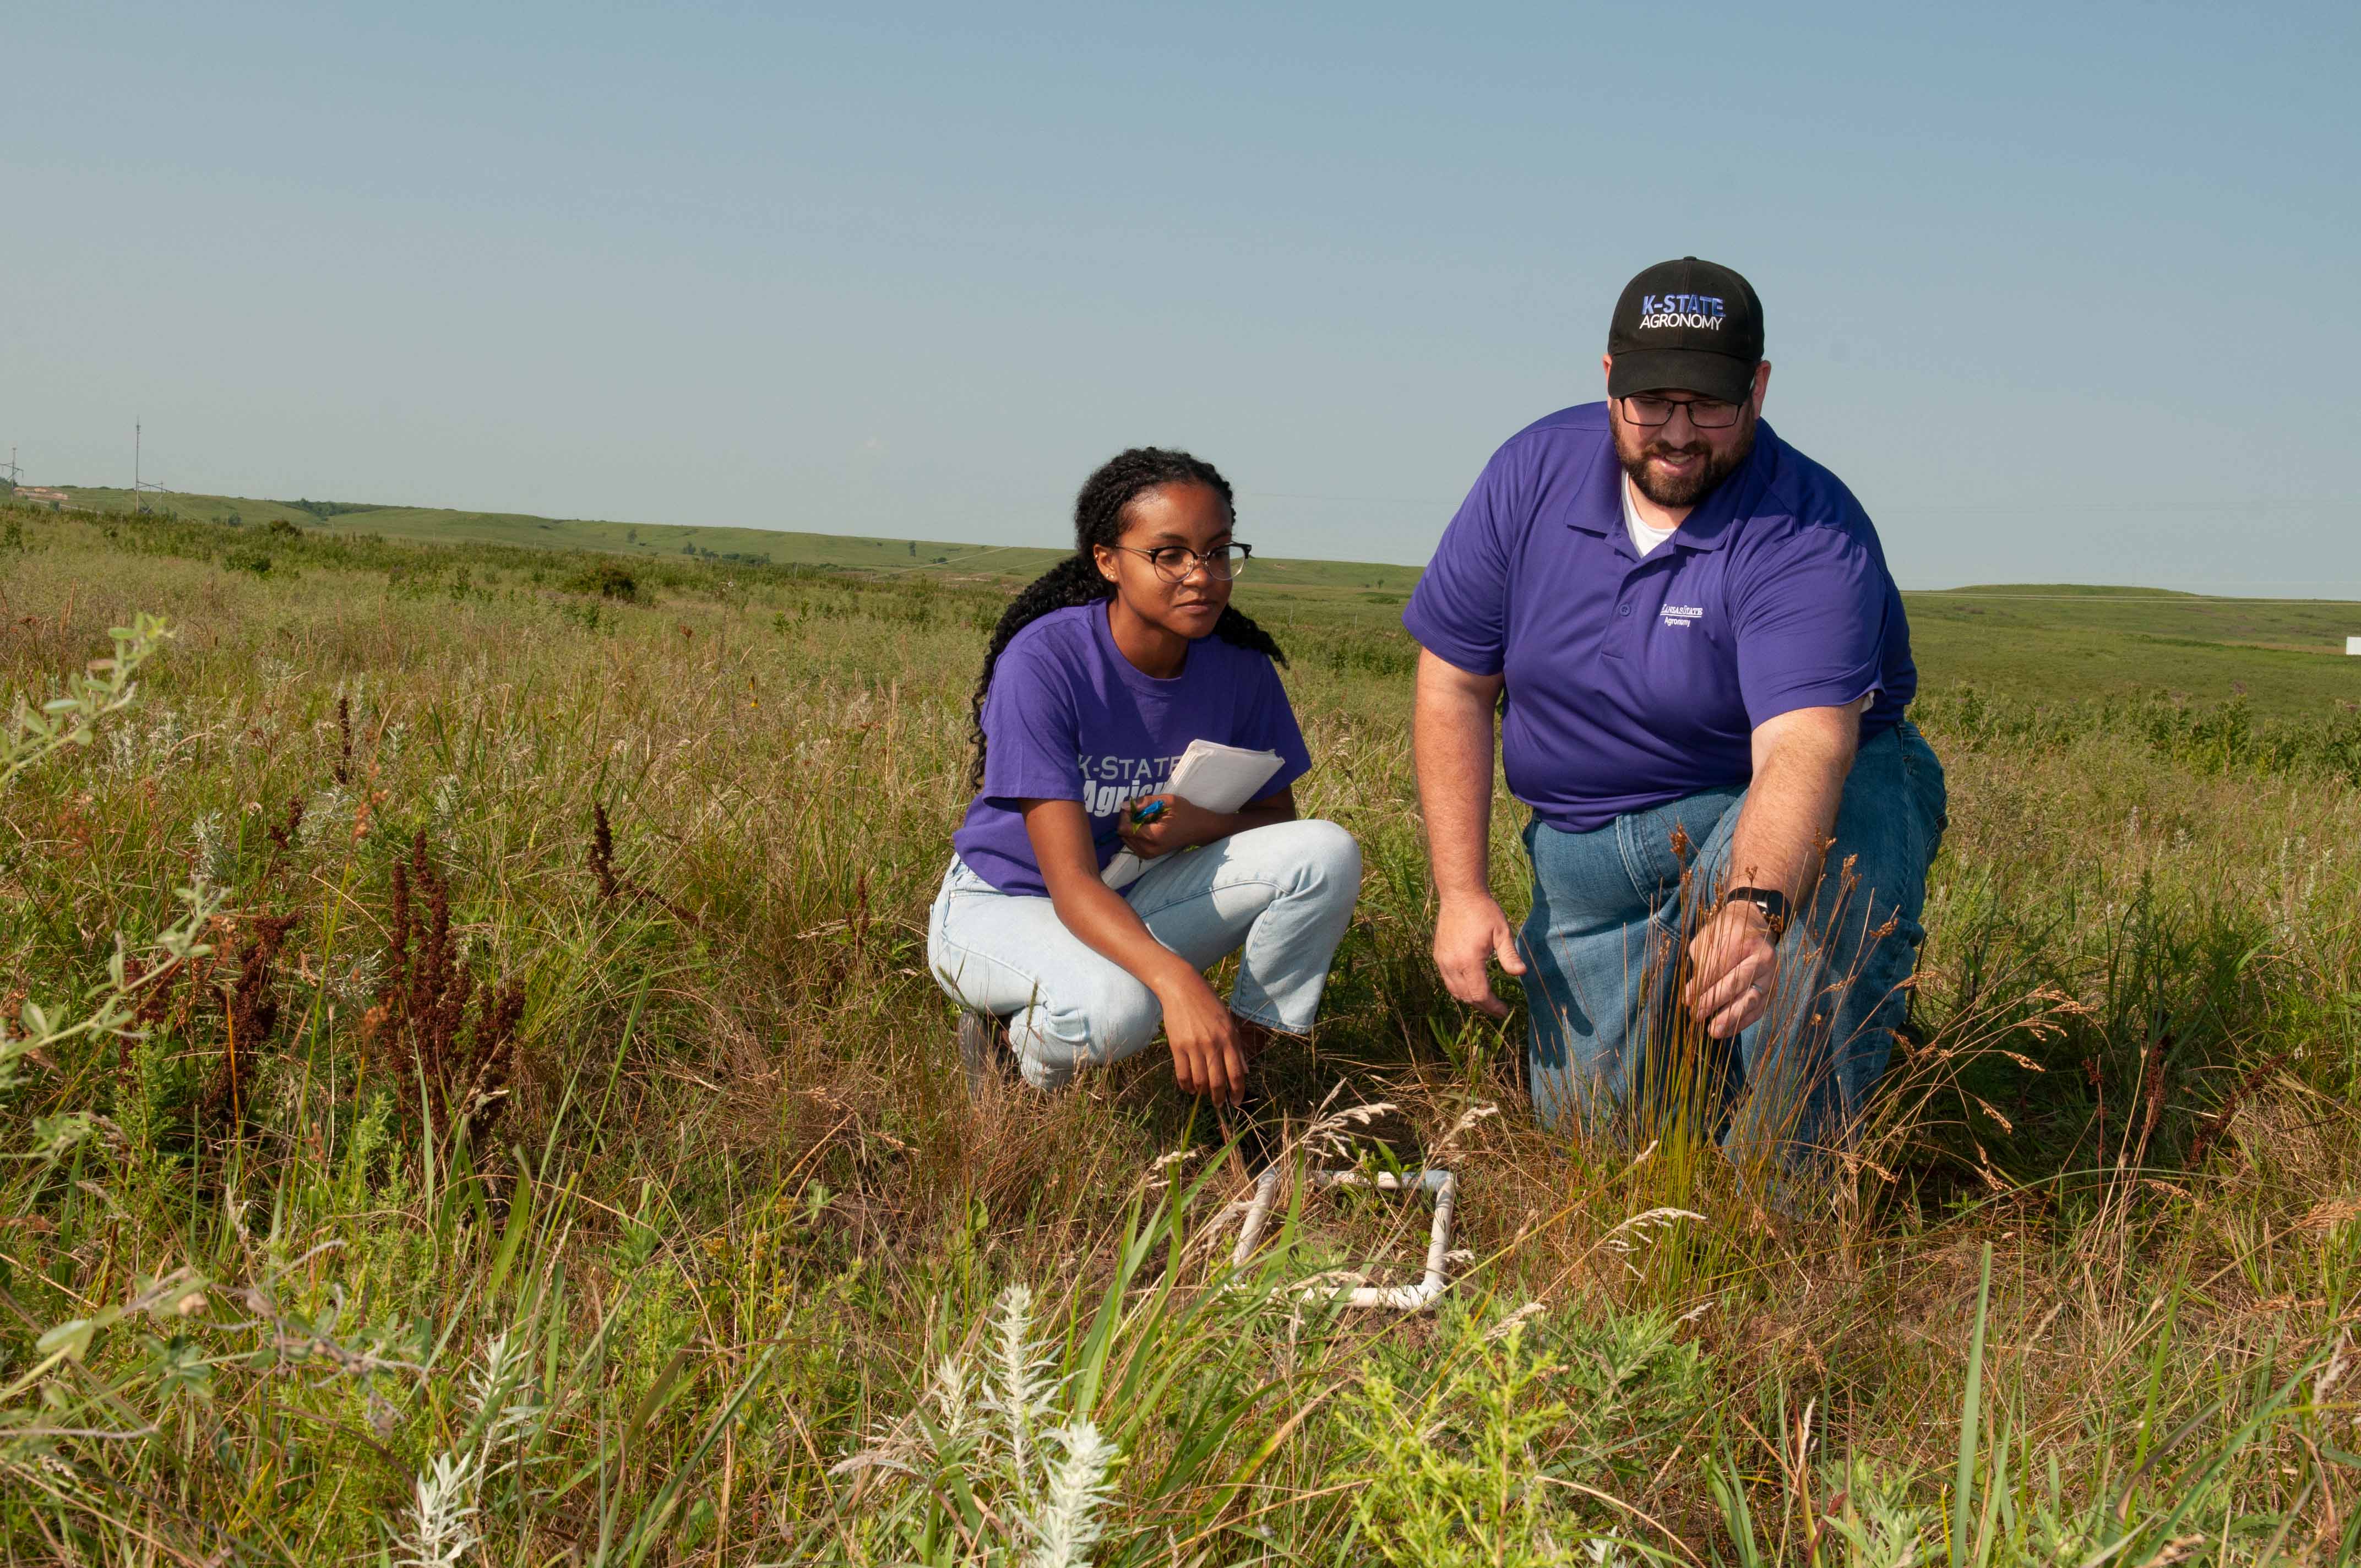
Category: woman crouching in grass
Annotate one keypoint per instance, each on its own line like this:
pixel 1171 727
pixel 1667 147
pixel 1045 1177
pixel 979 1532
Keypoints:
pixel 1099 676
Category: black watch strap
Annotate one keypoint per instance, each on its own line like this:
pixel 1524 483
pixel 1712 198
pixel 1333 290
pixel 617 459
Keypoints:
pixel 1770 900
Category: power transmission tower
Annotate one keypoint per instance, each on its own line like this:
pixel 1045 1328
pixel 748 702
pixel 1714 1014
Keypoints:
pixel 142 489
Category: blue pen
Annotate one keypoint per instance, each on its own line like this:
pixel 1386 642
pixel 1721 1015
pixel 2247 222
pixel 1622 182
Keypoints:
pixel 1148 812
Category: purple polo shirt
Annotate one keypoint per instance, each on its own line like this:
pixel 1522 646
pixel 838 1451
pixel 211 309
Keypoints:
pixel 1630 682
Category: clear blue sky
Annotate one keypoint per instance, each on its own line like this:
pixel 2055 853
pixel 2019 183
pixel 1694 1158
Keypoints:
pixel 2066 293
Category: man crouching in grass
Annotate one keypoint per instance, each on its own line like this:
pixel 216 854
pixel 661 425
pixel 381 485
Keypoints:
pixel 1702 666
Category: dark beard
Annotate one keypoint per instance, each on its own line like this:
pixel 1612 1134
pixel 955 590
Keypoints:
pixel 1685 492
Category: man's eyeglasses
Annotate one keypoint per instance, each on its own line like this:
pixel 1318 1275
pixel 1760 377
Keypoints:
pixel 1174 562
pixel 1705 414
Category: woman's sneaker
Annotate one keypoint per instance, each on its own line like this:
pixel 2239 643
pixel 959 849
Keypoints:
pixel 984 1053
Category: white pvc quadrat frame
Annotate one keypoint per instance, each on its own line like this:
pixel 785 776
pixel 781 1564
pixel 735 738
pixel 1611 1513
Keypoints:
pixel 1443 1186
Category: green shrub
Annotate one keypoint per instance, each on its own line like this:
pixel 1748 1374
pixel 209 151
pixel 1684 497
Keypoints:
pixel 609 580
pixel 1492 1446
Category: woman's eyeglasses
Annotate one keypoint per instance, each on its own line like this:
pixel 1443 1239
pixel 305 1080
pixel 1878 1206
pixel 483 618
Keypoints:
pixel 1174 562
pixel 1705 414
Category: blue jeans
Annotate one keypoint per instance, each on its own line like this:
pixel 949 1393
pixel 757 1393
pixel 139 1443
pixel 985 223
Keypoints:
pixel 1279 896
pixel 1602 945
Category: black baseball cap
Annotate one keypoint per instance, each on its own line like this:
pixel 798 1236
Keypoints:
pixel 1687 326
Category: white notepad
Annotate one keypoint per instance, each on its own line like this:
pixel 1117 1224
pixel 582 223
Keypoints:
pixel 1211 777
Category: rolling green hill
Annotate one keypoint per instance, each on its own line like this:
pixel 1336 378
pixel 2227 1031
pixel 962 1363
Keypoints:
pixel 2285 657
pixel 2061 641
pixel 779 546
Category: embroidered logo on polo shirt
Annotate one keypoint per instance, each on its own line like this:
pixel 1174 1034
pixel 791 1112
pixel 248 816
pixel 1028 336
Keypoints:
pixel 1681 310
pixel 1682 614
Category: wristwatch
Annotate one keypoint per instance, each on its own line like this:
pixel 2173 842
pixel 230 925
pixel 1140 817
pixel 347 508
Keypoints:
pixel 1770 900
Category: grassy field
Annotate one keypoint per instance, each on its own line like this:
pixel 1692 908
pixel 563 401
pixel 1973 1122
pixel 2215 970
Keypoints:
pixel 475 1097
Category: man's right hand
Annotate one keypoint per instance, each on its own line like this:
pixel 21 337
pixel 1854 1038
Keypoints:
pixel 1451 736
pixel 1468 933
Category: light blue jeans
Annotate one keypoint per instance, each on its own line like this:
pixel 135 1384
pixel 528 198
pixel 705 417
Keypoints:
pixel 1602 944
pixel 1279 896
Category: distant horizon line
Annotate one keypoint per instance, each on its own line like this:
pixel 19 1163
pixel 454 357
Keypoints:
pixel 1960 591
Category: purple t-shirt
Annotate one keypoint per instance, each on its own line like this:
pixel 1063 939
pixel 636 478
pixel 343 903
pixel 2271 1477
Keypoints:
pixel 1631 682
pixel 1069 717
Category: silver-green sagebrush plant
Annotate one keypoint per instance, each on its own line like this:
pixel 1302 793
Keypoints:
pixel 1005 1476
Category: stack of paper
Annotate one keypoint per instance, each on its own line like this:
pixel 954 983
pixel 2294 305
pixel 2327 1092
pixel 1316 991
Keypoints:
pixel 1211 777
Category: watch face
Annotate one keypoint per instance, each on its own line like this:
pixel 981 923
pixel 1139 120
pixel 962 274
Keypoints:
pixel 1770 901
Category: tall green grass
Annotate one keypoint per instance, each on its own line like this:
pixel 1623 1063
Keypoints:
pixel 716 1263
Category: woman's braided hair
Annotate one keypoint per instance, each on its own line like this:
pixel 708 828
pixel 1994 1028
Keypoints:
pixel 1098 519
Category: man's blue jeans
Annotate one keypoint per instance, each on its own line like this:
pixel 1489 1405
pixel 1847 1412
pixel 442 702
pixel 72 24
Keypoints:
pixel 1604 941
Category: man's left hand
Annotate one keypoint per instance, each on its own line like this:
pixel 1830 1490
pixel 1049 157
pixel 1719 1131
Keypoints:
pixel 1733 966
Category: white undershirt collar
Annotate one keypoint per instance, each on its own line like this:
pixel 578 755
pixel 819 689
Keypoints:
pixel 1644 538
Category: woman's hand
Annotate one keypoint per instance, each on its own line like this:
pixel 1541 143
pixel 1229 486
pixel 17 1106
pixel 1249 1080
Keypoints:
pixel 1159 824
pixel 1207 1056
pixel 1208 1045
